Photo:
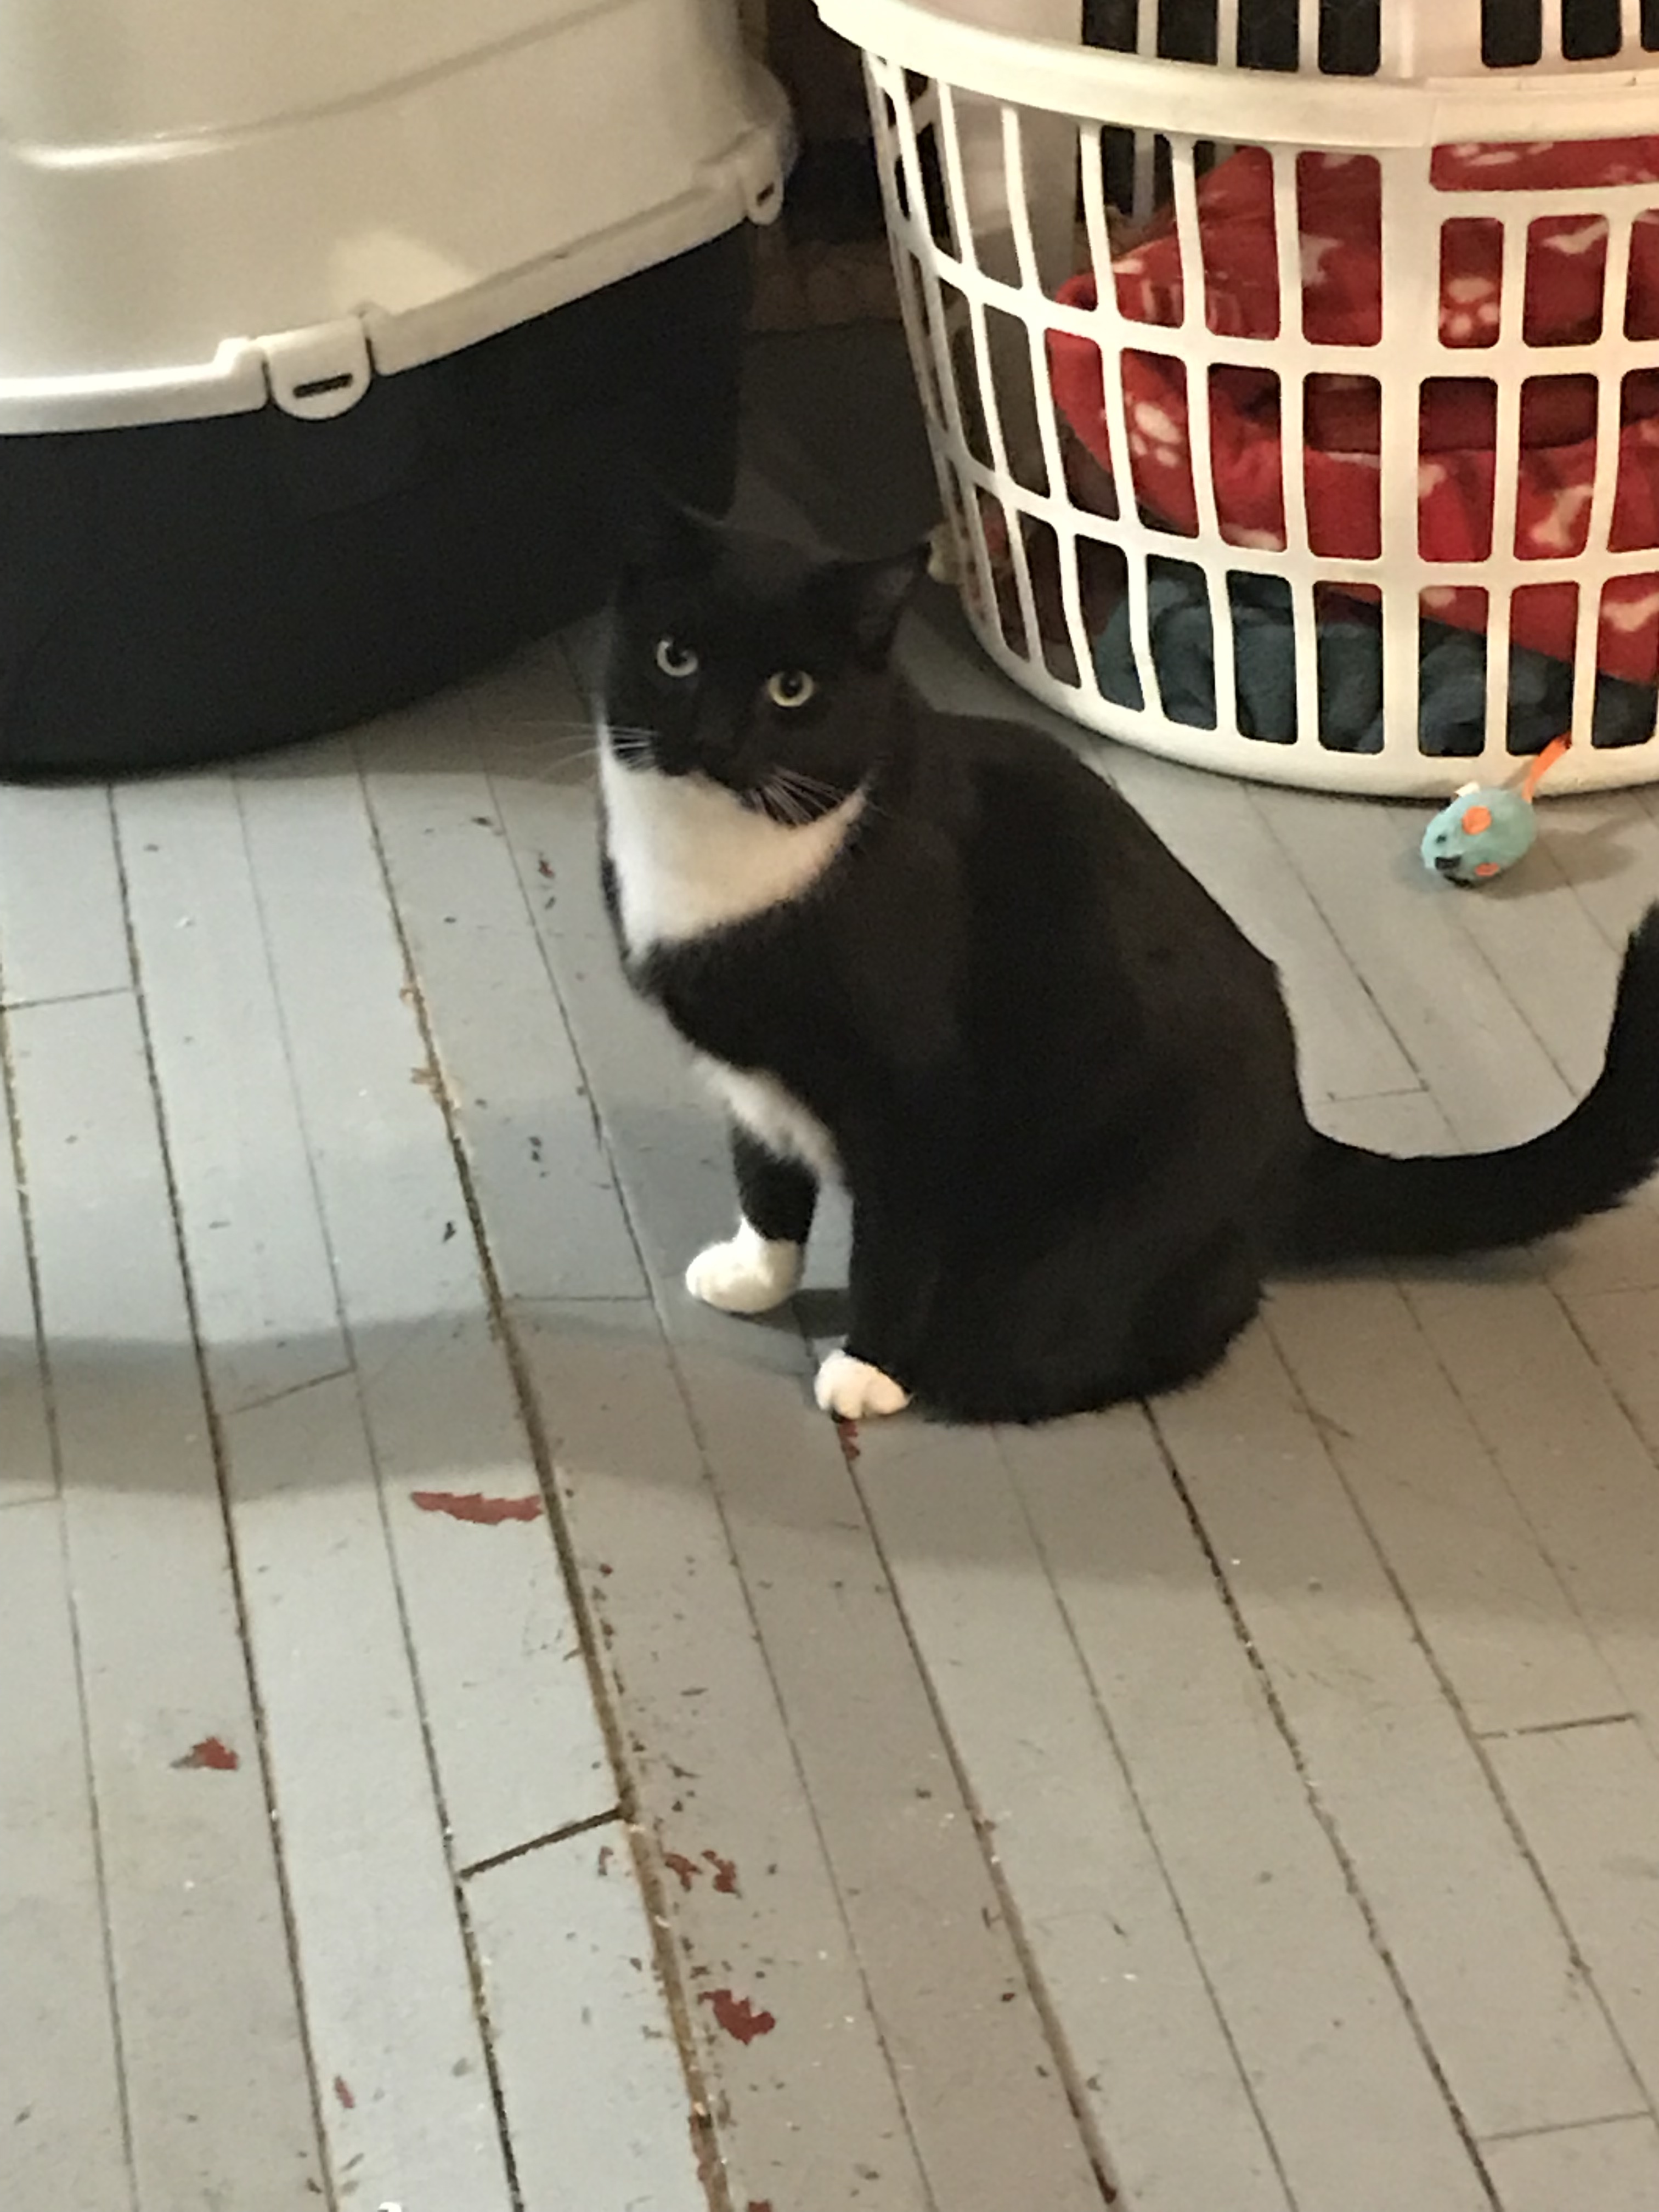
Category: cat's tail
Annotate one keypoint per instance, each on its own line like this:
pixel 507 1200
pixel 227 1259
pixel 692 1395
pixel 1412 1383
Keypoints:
pixel 1352 1204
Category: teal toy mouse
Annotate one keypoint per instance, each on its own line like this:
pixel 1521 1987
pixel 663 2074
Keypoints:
pixel 1488 827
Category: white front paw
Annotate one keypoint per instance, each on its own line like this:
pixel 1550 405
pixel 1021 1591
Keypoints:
pixel 852 1390
pixel 748 1275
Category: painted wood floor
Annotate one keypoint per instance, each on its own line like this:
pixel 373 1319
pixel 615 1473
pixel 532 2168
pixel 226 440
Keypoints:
pixel 471 1741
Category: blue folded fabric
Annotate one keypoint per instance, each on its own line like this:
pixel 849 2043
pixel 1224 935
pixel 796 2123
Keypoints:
pixel 1451 673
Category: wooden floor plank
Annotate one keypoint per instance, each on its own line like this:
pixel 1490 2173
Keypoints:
pixel 974 2067
pixel 63 931
pixel 1149 2050
pixel 27 1469
pixel 503 1679
pixel 1501 1000
pixel 1520 2041
pixel 1567 1450
pixel 1402 1121
pixel 1490 1606
pixel 651 1104
pixel 64 2139
pixel 1544 945
pixel 1611 2167
pixel 216 2087
pixel 556 1223
pixel 1620 1331
pixel 378 1141
pixel 1456 1022
pixel 1540 943
pixel 944 1983
pixel 1606 844
pixel 862 1728
pixel 718 1780
pixel 1336 2071
pixel 495 1642
pixel 591 2077
pixel 1587 1800
pixel 259 1263
pixel 1617 1251
pixel 399 2053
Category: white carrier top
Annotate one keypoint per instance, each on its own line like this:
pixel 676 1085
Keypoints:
pixel 205 206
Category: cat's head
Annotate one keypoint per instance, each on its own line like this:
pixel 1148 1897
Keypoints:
pixel 753 664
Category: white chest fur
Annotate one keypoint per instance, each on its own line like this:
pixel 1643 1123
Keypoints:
pixel 778 1121
pixel 688 859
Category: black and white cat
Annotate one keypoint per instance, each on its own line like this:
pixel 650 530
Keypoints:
pixel 942 960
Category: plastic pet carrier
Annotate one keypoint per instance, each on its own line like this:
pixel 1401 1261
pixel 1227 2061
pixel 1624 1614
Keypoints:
pixel 324 334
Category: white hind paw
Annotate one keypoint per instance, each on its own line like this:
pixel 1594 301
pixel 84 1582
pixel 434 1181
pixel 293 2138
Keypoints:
pixel 748 1275
pixel 852 1390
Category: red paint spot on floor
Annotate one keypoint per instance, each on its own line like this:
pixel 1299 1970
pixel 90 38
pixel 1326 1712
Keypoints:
pixel 544 868
pixel 725 1874
pixel 342 2091
pixel 470 1505
pixel 850 1439
pixel 688 1870
pixel 210 1753
pixel 737 2015
pixel 760 2204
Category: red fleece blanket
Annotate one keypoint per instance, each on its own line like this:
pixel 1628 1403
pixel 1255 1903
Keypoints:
pixel 1340 225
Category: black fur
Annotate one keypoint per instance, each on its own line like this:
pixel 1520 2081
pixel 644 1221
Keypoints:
pixel 778 1197
pixel 1061 1083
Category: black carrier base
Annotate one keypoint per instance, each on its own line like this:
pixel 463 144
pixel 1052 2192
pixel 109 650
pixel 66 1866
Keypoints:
pixel 183 592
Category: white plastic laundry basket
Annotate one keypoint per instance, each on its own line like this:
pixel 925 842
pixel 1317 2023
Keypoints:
pixel 1296 404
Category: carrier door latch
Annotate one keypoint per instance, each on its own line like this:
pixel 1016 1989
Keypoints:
pixel 321 371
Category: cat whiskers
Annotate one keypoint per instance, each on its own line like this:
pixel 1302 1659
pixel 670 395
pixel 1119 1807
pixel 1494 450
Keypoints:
pixel 816 796
pixel 778 804
pixel 537 729
pixel 548 751
pixel 808 786
pixel 628 743
pixel 817 799
pixel 795 799
pixel 822 798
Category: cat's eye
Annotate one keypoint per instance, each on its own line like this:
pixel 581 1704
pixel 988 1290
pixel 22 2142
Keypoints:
pixel 675 659
pixel 790 687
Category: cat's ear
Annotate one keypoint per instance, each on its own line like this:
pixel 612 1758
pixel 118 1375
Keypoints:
pixel 880 591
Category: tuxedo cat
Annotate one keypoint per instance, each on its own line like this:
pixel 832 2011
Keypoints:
pixel 940 960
